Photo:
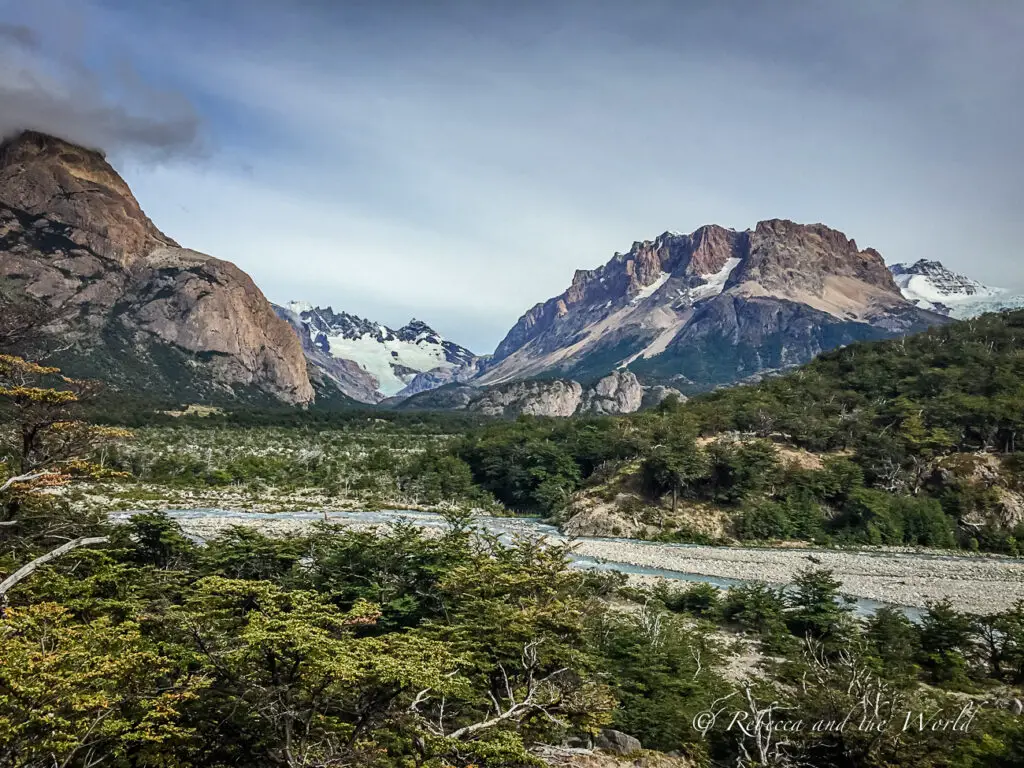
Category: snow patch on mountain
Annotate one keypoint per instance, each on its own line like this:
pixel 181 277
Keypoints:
pixel 649 290
pixel 931 286
pixel 715 284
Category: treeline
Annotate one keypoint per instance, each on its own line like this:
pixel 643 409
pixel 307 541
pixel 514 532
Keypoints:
pixel 125 411
pixel 883 416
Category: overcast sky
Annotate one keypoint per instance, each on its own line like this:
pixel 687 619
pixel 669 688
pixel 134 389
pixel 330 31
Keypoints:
pixel 457 161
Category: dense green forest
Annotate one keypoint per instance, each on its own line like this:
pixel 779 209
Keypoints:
pixel 353 648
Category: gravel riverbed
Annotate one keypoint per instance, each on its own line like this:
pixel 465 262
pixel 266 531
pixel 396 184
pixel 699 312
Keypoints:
pixel 976 584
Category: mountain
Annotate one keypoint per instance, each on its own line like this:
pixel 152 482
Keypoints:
pixel 136 309
pixel 931 286
pixel 710 308
pixel 369 361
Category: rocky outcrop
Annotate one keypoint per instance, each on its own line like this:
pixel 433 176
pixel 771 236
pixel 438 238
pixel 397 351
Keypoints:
pixel 656 395
pixel 530 398
pixel 990 478
pixel 137 310
pixel 711 308
pixel 618 392
pixel 617 742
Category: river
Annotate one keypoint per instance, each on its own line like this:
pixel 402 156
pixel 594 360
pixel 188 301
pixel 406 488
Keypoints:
pixel 873 578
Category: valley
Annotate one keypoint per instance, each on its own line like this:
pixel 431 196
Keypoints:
pixel 757 463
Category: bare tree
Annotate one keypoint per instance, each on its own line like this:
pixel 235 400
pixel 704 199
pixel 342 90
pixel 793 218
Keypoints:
pixel 526 694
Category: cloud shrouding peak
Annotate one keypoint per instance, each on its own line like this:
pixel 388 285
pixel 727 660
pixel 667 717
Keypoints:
pixel 52 84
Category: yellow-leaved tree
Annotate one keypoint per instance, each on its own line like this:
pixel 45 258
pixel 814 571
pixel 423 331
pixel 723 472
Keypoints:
pixel 44 443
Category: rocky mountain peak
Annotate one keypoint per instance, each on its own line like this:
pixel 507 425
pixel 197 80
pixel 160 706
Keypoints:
pixel 378 361
pixel 930 285
pixel 922 267
pixel 416 330
pixel 74 186
pixel 808 259
pixel 666 302
pixel 712 247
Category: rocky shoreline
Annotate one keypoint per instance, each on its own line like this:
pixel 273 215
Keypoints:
pixel 975 584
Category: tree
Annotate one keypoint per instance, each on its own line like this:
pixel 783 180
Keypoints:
pixel 947 636
pixel 675 462
pixel 47 444
pixel 816 607
pixel 291 682
pixel 759 608
pixel 89 694
pixel 894 639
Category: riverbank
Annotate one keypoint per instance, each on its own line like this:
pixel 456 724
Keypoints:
pixel 977 584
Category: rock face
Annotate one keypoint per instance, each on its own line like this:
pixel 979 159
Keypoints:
pixel 617 742
pixel 711 308
pixel 618 393
pixel 369 361
pixel 989 476
pixel 138 310
pixel 532 398
pixel 656 395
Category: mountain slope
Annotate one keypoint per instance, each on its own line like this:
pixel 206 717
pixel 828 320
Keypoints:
pixel 137 310
pixel 931 286
pixel 711 307
pixel 370 361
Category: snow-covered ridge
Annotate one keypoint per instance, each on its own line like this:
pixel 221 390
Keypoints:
pixel 393 357
pixel 931 286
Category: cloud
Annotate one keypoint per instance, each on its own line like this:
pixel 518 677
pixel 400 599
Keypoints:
pixel 20 35
pixel 49 84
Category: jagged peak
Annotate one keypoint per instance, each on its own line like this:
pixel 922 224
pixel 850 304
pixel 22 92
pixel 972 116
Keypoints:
pixel 920 267
pixel 417 326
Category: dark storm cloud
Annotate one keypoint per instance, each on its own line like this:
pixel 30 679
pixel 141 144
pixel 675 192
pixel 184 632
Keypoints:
pixel 20 34
pixel 50 85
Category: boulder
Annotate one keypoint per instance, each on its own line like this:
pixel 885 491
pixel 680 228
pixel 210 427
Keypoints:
pixel 617 742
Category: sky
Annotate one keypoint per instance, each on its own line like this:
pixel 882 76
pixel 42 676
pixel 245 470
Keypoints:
pixel 458 160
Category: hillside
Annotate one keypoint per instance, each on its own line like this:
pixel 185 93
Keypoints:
pixel 910 441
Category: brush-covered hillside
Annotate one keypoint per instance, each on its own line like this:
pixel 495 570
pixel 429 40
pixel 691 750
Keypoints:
pixel 916 441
